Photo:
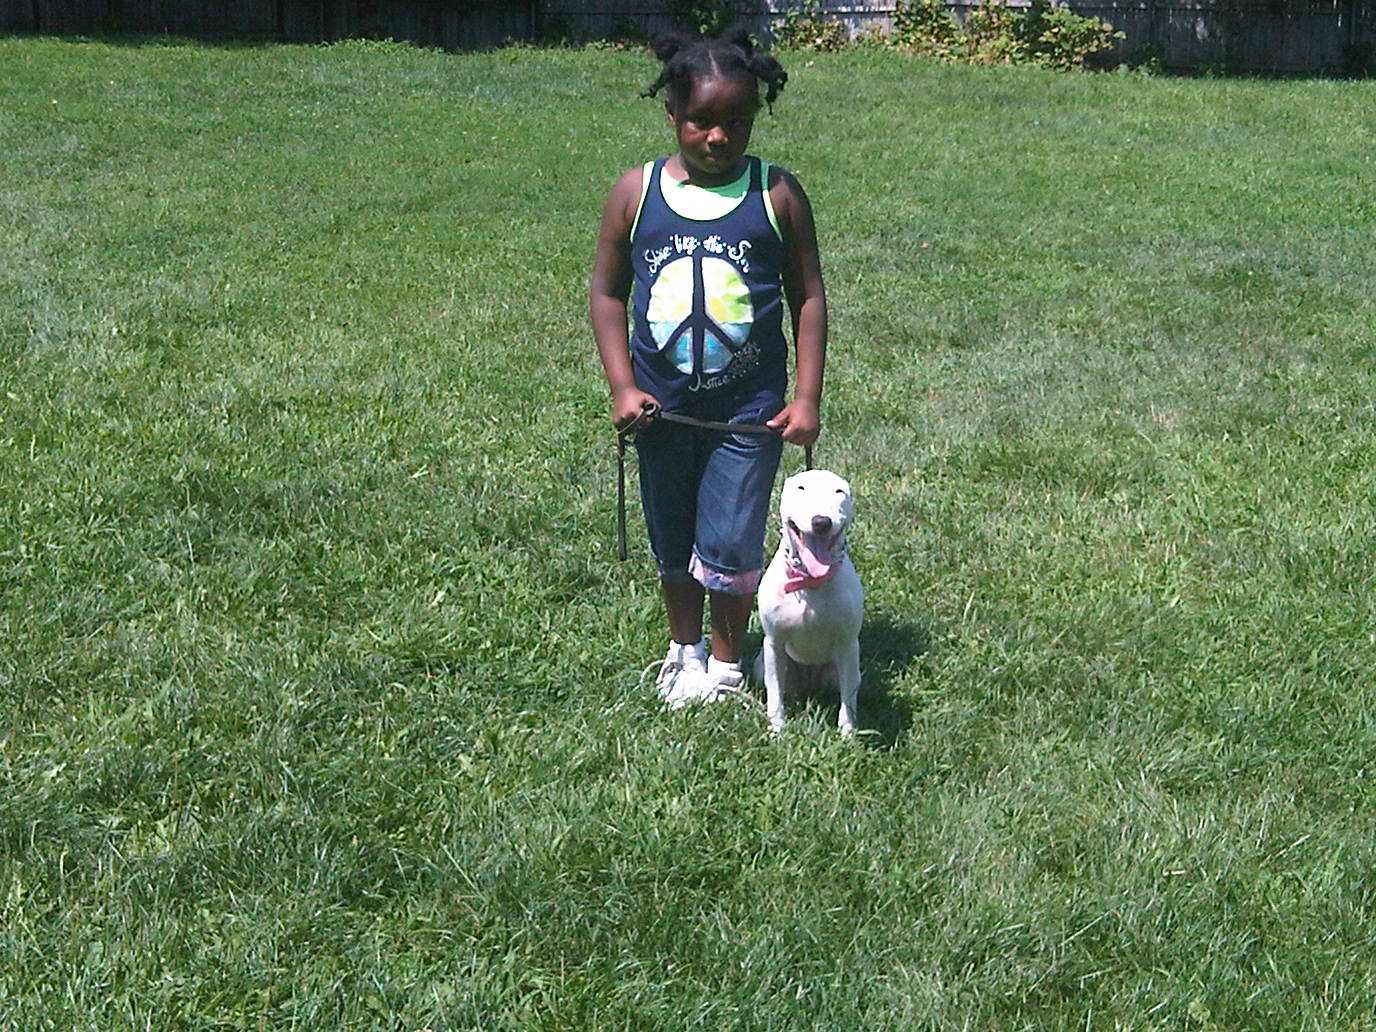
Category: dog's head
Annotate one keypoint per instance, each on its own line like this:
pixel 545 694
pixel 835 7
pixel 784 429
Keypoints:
pixel 816 511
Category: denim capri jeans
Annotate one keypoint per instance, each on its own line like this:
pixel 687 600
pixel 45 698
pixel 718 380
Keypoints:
pixel 706 495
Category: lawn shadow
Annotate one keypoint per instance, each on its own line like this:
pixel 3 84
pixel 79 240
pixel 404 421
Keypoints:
pixel 888 647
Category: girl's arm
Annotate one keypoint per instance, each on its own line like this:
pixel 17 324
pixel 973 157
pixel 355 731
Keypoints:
pixel 608 294
pixel 807 301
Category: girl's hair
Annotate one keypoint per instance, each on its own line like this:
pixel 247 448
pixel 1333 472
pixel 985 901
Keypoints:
pixel 687 59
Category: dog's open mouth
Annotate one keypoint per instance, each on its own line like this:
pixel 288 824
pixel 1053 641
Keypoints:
pixel 814 554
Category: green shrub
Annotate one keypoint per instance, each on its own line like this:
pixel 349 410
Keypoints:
pixel 1041 34
pixel 707 17
pixel 1057 37
pixel 994 34
pixel 926 27
pixel 808 28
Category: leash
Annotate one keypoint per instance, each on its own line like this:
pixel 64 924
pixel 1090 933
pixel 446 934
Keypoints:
pixel 647 416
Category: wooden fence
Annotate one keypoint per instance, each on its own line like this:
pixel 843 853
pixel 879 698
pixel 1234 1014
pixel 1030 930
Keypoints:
pixel 1296 36
pixel 451 24
pixel 1264 36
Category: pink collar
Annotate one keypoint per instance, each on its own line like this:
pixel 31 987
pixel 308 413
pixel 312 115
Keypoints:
pixel 797 580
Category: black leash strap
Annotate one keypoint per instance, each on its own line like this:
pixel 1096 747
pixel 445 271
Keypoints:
pixel 645 418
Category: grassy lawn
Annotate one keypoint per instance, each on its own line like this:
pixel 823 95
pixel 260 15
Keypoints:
pixel 319 682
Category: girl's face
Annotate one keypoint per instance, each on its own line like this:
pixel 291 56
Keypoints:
pixel 713 127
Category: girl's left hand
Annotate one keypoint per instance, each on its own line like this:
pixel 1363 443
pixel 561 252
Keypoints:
pixel 799 421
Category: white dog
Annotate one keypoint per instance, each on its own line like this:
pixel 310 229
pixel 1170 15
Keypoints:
pixel 810 598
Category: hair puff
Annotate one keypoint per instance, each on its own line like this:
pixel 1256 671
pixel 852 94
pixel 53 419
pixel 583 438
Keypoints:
pixel 687 59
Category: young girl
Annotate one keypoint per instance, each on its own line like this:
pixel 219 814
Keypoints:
pixel 709 243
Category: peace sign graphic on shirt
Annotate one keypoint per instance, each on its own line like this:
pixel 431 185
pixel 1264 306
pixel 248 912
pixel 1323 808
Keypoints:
pixel 700 313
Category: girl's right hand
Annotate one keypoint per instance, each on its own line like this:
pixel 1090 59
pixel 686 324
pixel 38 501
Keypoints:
pixel 628 405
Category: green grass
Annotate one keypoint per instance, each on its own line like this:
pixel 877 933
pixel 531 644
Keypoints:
pixel 319 677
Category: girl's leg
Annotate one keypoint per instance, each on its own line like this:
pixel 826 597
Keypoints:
pixel 685 665
pixel 732 508
pixel 669 470
pixel 683 603
pixel 730 621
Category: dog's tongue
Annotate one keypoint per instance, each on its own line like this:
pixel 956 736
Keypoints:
pixel 814 553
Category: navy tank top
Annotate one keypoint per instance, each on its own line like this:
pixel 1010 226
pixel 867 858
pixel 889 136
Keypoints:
pixel 707 328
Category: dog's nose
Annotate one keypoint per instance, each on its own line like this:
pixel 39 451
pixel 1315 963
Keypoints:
pixel 821 524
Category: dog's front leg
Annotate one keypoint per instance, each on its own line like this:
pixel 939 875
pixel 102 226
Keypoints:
pixel 775 670
pixel 848 681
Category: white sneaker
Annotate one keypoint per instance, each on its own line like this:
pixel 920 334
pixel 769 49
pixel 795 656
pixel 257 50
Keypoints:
pixel 680 677
pixel 722 680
